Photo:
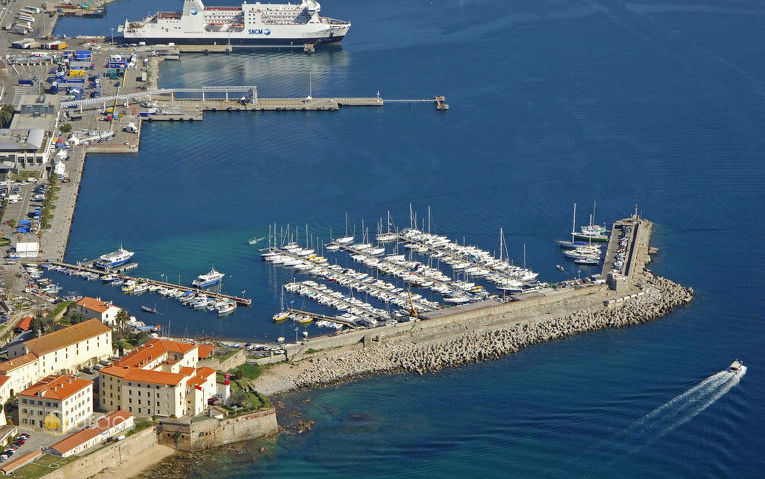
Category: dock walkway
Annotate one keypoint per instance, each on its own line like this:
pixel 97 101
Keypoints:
pixel 88 268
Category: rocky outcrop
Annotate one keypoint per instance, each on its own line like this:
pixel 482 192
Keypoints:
pixel 661 296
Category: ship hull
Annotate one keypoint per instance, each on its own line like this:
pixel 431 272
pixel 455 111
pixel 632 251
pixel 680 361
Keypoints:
pixel 238 42
pixel 111 264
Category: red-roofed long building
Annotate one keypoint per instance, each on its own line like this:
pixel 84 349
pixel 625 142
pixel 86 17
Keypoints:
pixel 107 426
pixel 159 378
pixel 68 348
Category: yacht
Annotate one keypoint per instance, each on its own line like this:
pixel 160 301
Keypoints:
pixel 204 280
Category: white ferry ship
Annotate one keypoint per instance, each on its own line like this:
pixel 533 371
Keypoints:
pixel 252 24
pixel 116 258
pixel 209 279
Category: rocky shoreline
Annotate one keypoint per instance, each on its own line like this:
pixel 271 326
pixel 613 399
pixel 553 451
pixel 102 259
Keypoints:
pixel 661 297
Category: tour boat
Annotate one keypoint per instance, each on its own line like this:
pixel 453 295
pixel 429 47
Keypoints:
pixel 208 279
pixel 116 258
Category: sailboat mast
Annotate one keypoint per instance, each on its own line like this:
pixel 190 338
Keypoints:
pixel 501 241
pixel 573 225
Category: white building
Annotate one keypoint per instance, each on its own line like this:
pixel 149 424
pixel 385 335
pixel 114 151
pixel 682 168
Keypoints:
pixel 159 378
pixel 94 307
pixel 67 349
pixel 21 372
pixel 56 404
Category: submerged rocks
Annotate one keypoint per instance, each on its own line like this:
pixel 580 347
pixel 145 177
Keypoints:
pixel 660 297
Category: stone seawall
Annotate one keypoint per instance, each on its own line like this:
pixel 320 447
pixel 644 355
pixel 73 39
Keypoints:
pixel 186 435
pixel 429 354
pixel 109 457
pixel 235 360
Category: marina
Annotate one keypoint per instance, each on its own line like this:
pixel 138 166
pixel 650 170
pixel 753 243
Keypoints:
pixel 469 266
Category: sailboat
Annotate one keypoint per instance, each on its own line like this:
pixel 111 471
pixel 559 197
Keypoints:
pixel 282 315
pixel 592 231
pixel 565 244
pixel 345 239
pixel 388 236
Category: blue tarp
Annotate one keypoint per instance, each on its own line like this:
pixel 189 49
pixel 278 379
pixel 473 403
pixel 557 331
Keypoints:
pixel 25 222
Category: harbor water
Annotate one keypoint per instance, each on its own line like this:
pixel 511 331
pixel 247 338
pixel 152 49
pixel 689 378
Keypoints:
pixel 658 104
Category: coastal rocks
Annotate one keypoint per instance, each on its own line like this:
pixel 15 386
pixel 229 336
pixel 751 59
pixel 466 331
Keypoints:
pixel 660 297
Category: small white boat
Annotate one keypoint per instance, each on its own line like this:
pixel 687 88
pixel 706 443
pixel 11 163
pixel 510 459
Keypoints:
pixel 226 308
pixel 200 302
pixel 737 368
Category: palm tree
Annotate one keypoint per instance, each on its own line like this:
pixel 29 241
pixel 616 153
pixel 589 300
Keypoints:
pixel 122 318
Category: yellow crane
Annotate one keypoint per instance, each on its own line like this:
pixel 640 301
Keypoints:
pixel 412 309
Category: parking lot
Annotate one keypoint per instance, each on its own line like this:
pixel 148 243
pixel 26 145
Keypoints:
pixel 21 201
pixel 35 441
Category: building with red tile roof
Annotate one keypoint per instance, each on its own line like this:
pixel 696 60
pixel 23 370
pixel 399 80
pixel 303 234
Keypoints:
pixel 56 404
pixel 21 371
pixel 94 307
pixel 205 350
pixel 68 348
pixel 107 426
pixel 24 324
pixel 159 378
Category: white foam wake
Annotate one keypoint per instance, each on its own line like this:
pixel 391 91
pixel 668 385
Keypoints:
pixel 667 417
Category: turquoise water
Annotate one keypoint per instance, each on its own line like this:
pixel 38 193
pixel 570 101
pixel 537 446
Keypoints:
pixel 655 103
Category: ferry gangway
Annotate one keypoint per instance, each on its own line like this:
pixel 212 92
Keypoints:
pixel 250 93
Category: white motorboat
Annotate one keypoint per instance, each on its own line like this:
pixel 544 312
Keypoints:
pixel 737 368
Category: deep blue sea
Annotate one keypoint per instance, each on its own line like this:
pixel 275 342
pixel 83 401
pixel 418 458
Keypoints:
pixel 654 103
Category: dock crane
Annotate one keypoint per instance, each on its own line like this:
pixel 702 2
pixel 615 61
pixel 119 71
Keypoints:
pixel 412 310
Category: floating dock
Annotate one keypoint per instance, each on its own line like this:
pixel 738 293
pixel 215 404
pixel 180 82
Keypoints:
pixel 320 317
pixel 89 269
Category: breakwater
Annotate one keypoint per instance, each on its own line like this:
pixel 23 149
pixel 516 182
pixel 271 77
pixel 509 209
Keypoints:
pixel 426 355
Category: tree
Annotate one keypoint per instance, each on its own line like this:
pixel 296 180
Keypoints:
pixel 6 115
pixel 66 128
pixel 122 318
pixel 37 324
pixel 75 317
